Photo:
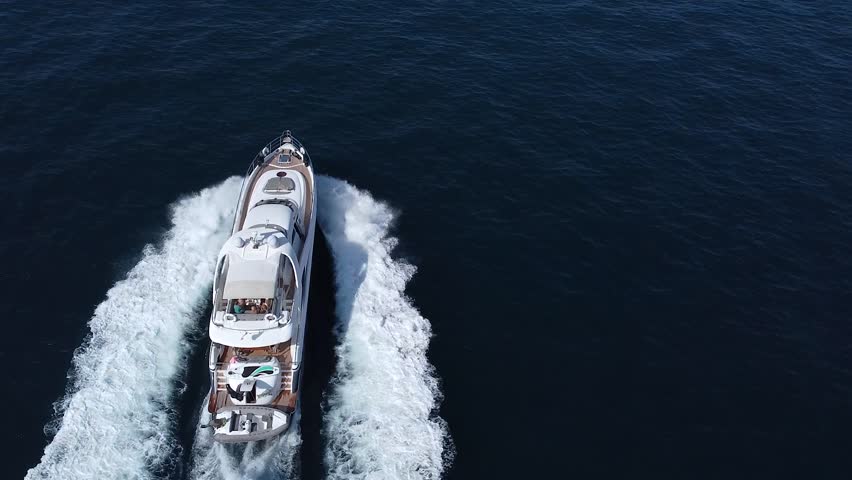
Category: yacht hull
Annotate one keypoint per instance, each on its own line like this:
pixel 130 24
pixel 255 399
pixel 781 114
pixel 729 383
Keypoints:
pixel 245 347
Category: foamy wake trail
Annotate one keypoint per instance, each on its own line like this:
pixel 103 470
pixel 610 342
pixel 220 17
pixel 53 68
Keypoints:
pixel 272 459
pixel 380 419
pixel 117 418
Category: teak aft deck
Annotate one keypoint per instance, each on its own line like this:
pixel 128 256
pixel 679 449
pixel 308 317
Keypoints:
pixel 286 400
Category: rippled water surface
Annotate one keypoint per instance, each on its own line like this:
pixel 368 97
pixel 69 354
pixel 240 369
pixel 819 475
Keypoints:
pixel 578 239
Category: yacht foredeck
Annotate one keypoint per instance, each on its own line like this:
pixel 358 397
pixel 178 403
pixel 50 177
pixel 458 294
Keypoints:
pixel 276 162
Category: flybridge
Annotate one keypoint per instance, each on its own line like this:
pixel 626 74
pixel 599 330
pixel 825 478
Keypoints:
pixel 255 290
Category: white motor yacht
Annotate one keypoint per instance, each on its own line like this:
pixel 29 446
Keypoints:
pixel 260 298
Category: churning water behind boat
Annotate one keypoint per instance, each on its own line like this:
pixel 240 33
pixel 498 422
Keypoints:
pixel 117 418
pixel 381 415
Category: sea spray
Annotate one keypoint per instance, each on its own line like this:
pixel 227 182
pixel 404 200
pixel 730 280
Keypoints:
pixel 116 419
pixel 380 417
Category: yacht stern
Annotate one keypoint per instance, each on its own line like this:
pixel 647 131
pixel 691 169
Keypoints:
pixel 241 423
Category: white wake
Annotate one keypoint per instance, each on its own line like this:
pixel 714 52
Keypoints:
pixel 380 419
pixel 118 418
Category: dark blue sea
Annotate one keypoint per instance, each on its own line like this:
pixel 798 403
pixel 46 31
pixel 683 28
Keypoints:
pixel 561 239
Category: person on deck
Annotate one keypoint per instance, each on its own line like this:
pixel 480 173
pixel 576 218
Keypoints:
pixel 240 306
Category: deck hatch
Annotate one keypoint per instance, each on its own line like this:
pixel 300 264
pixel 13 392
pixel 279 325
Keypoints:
pixel 279 185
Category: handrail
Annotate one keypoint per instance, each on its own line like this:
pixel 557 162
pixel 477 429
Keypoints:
pixel 224 367
pixel 273 145
pixel 221 370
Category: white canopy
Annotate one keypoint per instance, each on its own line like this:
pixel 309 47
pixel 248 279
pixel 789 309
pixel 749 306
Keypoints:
pixel 257 275
pixel 250 279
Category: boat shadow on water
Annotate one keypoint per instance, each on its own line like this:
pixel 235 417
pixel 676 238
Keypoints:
pixel 320 359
